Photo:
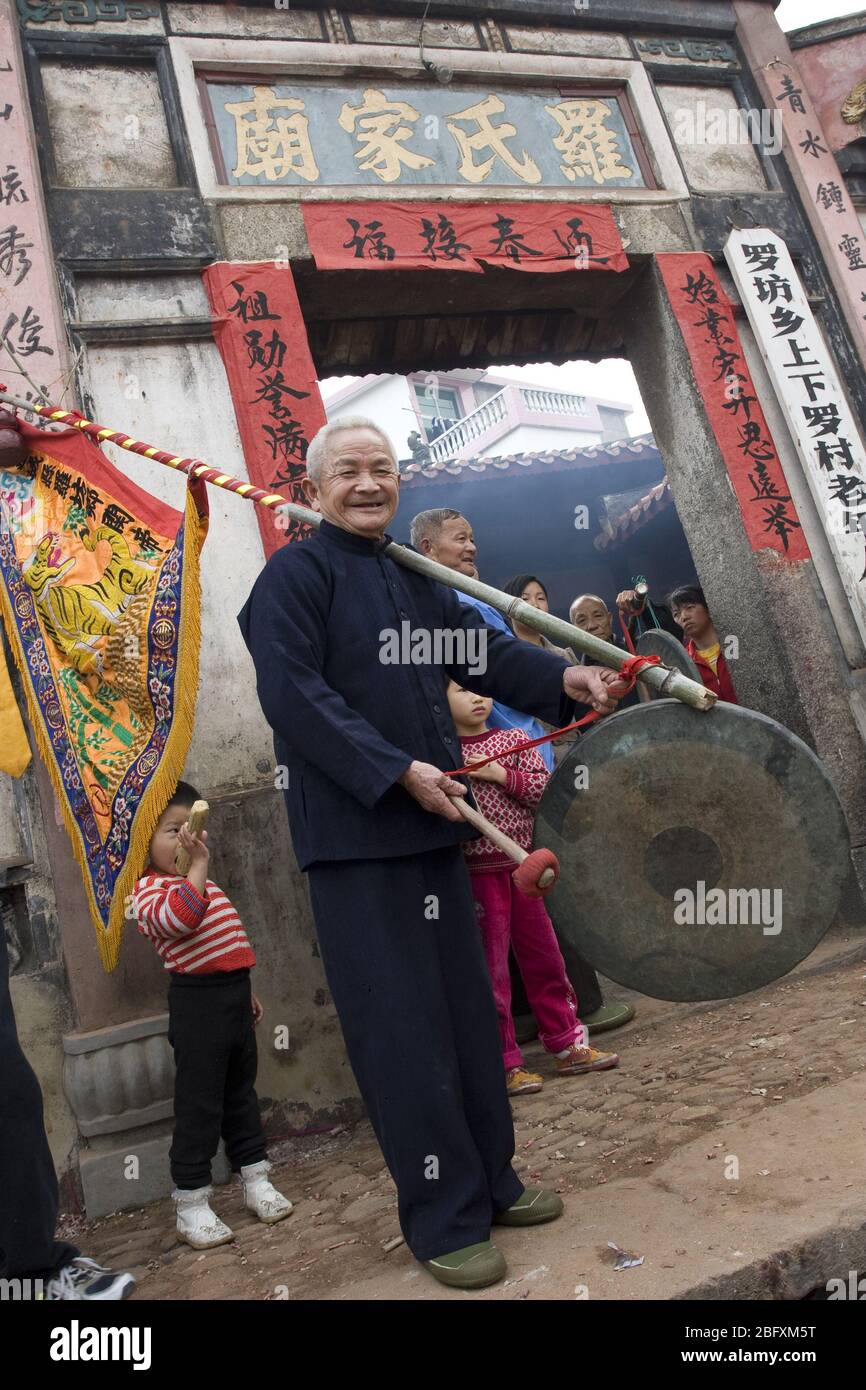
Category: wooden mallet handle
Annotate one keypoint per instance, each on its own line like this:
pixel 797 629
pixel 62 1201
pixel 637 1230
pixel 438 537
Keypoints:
pixel 196 821
pixel 499 838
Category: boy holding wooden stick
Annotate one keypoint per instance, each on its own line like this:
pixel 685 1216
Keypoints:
pixel 212 1018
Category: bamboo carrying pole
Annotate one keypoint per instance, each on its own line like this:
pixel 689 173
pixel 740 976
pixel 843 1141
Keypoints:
pixel 664 680
pixel 499 838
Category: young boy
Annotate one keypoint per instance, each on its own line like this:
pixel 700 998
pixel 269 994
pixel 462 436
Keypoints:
pixel 690 612
pixel 506 792
pixel 212 1014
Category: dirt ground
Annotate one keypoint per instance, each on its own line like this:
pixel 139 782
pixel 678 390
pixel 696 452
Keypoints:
pixel 764 1065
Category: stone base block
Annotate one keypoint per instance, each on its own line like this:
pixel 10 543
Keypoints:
pixel 105 1183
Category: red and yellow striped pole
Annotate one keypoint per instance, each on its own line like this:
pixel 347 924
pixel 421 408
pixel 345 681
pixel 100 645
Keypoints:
pixel 195 468
pixel 660 678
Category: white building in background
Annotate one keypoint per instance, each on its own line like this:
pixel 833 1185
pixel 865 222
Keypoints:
pixel 477 414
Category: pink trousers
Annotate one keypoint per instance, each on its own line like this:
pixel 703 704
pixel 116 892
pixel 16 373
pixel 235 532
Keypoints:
pixel 507 918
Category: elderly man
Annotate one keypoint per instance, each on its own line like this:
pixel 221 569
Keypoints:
pixel 366 742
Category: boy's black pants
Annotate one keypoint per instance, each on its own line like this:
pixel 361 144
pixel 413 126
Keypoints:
pixel 210 1028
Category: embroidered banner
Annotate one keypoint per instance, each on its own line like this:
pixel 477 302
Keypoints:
pixel 99 590
pixel 706 320
pixel 462 236
pixel 262 339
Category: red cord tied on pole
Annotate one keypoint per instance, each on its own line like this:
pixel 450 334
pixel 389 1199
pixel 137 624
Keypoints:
pixel 628 672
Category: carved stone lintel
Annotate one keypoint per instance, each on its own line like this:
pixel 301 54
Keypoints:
pixel 336 29
pixel 492 36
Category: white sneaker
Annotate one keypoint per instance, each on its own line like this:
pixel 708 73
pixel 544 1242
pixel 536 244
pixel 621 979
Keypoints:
pixel 196 1223
pixel 260 1195
pixel 84 1279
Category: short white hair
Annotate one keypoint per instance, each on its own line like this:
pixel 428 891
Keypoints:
pixel 319 447
pixel 580 598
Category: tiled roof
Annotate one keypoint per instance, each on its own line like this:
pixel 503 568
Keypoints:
pixel 636 516
pixel 642 446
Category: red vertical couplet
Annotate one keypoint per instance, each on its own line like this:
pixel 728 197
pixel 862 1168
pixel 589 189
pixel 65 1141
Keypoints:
pixel 262 339
pixel 706 319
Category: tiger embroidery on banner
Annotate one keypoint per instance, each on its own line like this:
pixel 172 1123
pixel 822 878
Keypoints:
pixel 76 616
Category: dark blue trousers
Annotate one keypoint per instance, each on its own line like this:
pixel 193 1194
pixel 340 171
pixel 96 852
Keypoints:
pixel 406 969
pixel 28 1183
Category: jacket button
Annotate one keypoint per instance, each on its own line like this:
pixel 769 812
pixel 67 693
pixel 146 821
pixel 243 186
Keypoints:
pixel 447 739
pixel 436 709
pixel 403 614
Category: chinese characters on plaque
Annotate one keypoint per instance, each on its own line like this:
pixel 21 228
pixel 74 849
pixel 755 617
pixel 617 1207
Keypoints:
pixel 811 396
pixel 706 320
pixel 308 134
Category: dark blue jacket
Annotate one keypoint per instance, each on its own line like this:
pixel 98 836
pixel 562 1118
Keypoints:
pixel 345 724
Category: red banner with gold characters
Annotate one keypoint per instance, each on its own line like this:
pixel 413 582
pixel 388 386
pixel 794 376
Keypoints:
pixel 463 236
pixel 706 319
pixel 262 339
pixel 100 598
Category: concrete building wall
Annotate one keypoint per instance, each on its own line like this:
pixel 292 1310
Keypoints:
pixel 831 68
pixel 524 439
pixel 389 402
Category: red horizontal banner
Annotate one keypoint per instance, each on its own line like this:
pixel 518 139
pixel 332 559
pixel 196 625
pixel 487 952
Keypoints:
pixel 462 236
pixel 706 319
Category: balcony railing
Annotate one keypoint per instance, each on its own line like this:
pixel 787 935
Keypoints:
pixel 502 412
pixel 471 427
pixel 553 402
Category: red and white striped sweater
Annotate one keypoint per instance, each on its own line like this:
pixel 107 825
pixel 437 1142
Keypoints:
pixel 195 935
pixel 509 807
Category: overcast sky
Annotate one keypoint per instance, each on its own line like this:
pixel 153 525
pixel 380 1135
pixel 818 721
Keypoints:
pixel 796 14
pixel 613 379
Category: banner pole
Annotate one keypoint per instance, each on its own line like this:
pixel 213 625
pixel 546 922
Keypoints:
pixel 660 678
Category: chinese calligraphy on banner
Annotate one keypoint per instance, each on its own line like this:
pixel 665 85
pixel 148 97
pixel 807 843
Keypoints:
pixel 706 320
pixel 260 333
pixel 459 236
pixel 27 315
pixel 823 189
pixel 811 396
pixel 308 133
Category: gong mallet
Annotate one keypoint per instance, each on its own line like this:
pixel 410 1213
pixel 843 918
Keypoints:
pixel 535 874
pixel 664 680
pixel 196 821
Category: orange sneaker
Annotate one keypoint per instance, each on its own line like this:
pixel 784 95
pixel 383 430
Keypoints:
pixel 581 1059
pixel 520 1082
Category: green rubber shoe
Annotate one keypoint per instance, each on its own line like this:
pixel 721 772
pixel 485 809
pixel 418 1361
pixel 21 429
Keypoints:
pixel 609 1016
pixel 536 1206
pixel 473 1267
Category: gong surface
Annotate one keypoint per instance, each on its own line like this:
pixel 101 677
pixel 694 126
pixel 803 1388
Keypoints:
pixel 656 642
pixel 658 806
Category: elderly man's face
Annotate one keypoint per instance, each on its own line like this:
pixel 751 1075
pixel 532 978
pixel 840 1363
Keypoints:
pixel 454 546
pixel 592 616
pixel 359 483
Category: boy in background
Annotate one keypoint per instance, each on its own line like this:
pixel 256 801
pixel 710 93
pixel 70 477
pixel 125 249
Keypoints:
pixel 212 1017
